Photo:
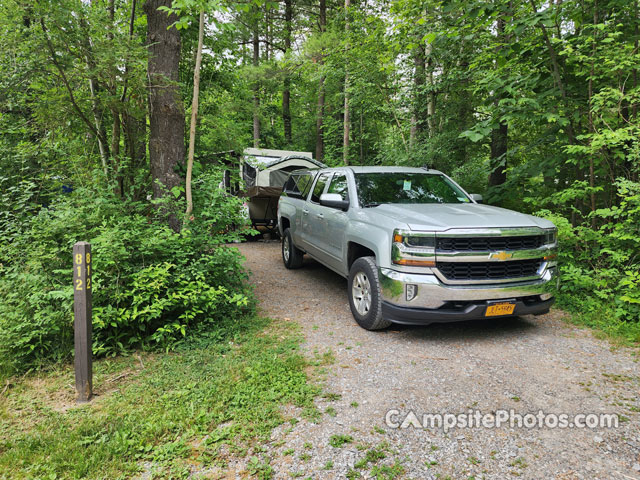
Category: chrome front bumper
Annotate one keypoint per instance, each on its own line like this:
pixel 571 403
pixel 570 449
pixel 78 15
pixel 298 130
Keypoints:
pixel 435 301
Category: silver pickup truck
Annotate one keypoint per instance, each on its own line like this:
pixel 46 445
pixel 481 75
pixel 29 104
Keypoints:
pixel 415 247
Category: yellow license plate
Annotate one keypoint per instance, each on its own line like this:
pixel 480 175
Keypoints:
pixel 500 309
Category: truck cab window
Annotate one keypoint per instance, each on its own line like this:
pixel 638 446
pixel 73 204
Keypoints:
pixel 298 185
pixel 291 186
pixel 304 184
pixel 319 187
pixel 339 185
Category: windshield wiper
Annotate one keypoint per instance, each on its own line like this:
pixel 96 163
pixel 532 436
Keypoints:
pixel 370 204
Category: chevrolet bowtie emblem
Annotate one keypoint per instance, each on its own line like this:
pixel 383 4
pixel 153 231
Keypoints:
pixel 502 256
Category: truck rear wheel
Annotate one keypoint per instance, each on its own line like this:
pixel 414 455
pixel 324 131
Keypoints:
pixel 364 294
pixel 291 255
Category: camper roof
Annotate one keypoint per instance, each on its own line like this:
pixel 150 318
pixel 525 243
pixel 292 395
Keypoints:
pixel 262 158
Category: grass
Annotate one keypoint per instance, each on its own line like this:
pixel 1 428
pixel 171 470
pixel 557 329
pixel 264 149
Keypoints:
pixel 519 462
pixel 386 472
pixel 338 441
pixel 372 456
pixel 174 410
pixel 331 396
pixel 601 318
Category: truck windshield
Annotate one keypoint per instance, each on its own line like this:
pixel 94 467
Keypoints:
pixel 398 187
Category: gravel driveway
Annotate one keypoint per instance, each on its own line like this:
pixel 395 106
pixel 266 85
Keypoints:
pixel 526 364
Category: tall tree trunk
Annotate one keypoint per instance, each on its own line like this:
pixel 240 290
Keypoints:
pixel 286 92
pixel 636 20
pixel 499 147
pixel 347 120
pixel 413 130
pixel 97 119
pixel 96 109
pixel 166 112
pixel 256 89
pixel 115 111
pixel 132 18
pixel 499 135
pixel 115 134
pixel 322 20
pixel 134 130
pixel 592 177
pixel 267 32
pixel 194 117
pixel 115 151
pixel 361 137
pixel 431 96
pixel 635 169
pixel 320 122
pixel 418 117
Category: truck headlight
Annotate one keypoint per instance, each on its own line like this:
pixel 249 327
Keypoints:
pixel 551 236
pixel 415 249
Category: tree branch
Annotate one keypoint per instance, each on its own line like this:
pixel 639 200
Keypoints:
pixel 555 71
pixel 126 65
pixel 72 98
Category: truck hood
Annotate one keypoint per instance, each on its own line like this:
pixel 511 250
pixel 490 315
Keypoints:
pixel 441 217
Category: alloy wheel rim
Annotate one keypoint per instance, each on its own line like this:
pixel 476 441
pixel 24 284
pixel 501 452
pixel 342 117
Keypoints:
pixel 286 249
pixel 361 293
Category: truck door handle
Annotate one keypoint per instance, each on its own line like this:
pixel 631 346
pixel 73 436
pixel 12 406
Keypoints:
pixel 305 212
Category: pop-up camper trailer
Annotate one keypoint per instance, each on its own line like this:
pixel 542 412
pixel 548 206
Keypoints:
pixel 263 173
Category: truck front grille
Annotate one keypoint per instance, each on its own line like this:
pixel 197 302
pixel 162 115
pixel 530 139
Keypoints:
pixel 487 244
pixel 489 270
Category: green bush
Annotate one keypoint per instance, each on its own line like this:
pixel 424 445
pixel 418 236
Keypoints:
pixel 151 286
pixel 600 267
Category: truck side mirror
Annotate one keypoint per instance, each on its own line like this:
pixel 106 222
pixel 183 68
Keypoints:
pixel 476 197
pixel 334 200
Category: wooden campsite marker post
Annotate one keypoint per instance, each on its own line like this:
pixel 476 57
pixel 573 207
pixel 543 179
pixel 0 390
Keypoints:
pixel 82 320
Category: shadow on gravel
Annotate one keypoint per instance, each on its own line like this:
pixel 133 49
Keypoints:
pixel 323 275
pixel 468 330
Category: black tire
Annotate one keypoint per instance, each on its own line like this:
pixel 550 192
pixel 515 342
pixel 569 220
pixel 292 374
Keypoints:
pixel 364 272
pixel 292 256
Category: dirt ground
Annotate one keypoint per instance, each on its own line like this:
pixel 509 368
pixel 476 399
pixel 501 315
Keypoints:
pixel 528 364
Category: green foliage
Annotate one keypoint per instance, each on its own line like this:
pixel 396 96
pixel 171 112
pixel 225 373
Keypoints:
pixel 221 391
pixel 150 285
pixel 600 267
pixel 472 175
pixel 429 84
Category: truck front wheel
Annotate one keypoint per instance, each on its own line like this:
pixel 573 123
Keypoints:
pixel 364 294
pixel 291 255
